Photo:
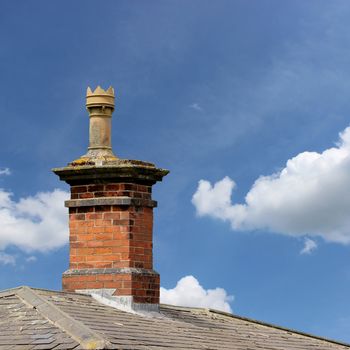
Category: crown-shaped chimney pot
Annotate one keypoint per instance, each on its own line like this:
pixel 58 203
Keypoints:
pixel 100 97
pixel 100 105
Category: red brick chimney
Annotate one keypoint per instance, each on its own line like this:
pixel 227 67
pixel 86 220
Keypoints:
pixel 110 217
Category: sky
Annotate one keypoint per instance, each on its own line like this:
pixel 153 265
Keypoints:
pixel 245 102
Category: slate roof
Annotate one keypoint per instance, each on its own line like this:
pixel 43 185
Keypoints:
pixel 33 319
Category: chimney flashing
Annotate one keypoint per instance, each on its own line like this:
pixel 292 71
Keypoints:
pixel 124 303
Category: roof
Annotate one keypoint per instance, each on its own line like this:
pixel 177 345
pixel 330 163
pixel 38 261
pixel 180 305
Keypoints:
pixel 41 319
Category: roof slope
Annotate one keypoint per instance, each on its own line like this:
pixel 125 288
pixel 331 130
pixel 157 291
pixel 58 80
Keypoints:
pixel 39 319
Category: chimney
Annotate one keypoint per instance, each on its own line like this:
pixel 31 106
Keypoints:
pixel 110 217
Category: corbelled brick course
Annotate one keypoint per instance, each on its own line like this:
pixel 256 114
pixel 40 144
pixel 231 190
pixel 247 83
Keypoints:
pixel 111 190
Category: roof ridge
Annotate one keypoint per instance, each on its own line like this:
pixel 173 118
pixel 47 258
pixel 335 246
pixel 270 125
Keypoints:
pixel 58 291
pixel 10 291
pixel 85 336
pixel 263 323
pixel 252 320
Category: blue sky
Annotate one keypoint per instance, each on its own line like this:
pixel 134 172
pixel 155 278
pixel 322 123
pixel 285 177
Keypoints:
pixel 209 90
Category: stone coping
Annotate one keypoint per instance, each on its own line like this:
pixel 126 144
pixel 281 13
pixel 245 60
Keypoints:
pixel 110 271
pixel 111 171
pixel 127 201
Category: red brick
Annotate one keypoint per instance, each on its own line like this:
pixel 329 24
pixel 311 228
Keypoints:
pixel 101 265
pixel 87 277
pixel 103 222
pixel 95 243
pixel 95 285
pixel 112 187
pixel 78 189
pixel 112 216
pixel 84 251
pixel 94 216
pixel 94 188
pixel 103 208
pixel 102 251
pixel 111 284
pixel 86 195
pixel 77 217
pixel 105 277
pixel 85 237
pixel 102 258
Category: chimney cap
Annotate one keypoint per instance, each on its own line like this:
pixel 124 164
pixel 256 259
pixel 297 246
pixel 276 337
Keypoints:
pixel 100 97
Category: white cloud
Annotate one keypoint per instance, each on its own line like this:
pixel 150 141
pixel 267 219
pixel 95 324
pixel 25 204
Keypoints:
pixel 38 223
pixel 5 171
pixel 188 292
pixel 309 196
pixel 309 246
pixel 7 259
pixel 196 107
pixel 31 258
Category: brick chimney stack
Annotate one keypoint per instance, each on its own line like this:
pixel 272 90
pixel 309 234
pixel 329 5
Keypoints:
pixel 110 217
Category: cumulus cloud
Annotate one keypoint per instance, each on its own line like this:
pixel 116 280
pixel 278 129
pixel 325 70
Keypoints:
pixel 309 196
pixel 7 259
pixel 5 171
pixel 309 246
pixel 188 292
pixel 35 223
